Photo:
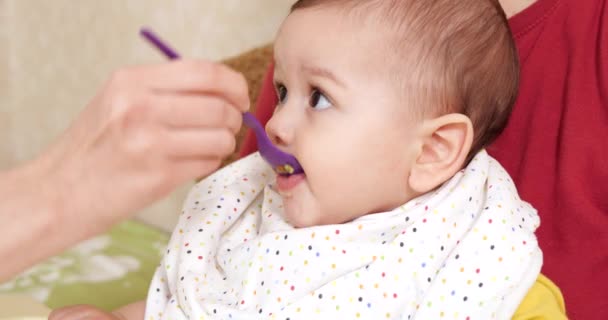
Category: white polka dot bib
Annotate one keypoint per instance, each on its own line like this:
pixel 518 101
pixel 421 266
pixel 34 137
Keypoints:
pixel 464 251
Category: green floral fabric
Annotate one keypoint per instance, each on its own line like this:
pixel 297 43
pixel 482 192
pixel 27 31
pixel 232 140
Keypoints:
pixel 107 271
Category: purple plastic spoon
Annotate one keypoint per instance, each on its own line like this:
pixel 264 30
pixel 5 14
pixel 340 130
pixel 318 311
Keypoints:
pixel 282 163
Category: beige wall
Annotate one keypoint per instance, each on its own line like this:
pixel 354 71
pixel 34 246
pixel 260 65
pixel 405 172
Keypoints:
pixel 55 54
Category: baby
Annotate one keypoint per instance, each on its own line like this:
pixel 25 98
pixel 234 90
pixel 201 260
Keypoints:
pixel 400 214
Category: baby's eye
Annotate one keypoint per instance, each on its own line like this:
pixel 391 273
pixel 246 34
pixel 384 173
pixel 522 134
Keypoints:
pixel 281 93
pixel 318 100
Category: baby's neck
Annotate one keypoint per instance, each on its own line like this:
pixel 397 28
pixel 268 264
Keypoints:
pixel 513 7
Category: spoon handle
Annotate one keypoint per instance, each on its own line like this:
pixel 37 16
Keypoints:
pixel 163 47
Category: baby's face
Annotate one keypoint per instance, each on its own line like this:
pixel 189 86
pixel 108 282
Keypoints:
pixel 341 115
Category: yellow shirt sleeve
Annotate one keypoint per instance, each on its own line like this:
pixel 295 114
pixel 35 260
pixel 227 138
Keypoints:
pixel 543 301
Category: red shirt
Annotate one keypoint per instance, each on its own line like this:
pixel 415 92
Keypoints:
pixel 555 145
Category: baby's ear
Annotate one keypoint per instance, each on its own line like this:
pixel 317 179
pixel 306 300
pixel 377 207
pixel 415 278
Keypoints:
pixel 446 142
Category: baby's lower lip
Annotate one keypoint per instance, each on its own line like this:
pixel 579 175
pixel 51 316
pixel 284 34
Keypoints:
pixel 286 183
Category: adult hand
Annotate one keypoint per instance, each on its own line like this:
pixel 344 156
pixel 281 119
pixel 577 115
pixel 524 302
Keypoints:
pixel 135 310
pixel 149 129
pixel 84 312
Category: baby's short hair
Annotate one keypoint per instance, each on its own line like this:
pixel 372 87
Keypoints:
pixel 463 59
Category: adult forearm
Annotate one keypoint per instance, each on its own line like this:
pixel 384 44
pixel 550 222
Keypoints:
pixel 32 226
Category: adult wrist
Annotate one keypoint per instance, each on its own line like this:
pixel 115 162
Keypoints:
pixel 40 191
pixel 28 218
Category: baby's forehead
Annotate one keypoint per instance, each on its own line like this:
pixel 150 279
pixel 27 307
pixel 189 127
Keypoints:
pixel 384 16
pixel 338 28
pixel 373 27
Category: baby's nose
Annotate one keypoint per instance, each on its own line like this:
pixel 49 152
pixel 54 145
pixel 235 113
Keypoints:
pixel 280 129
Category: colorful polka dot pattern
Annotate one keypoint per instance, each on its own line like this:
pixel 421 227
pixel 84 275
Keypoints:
pixel 465 251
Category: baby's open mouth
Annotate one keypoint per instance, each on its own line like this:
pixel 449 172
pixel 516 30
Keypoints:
pixel 285 184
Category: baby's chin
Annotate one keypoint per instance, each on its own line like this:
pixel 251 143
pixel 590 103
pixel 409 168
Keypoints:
pixel 296 213
pixel 300 208
pixel 303 213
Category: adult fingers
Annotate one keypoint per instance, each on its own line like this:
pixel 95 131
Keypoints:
pixel 199 143
pixel 196 76
pixel 193 111
pixel 81 312
pixel 190 169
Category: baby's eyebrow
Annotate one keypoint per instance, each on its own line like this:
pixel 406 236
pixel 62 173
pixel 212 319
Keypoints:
pixel 322 72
